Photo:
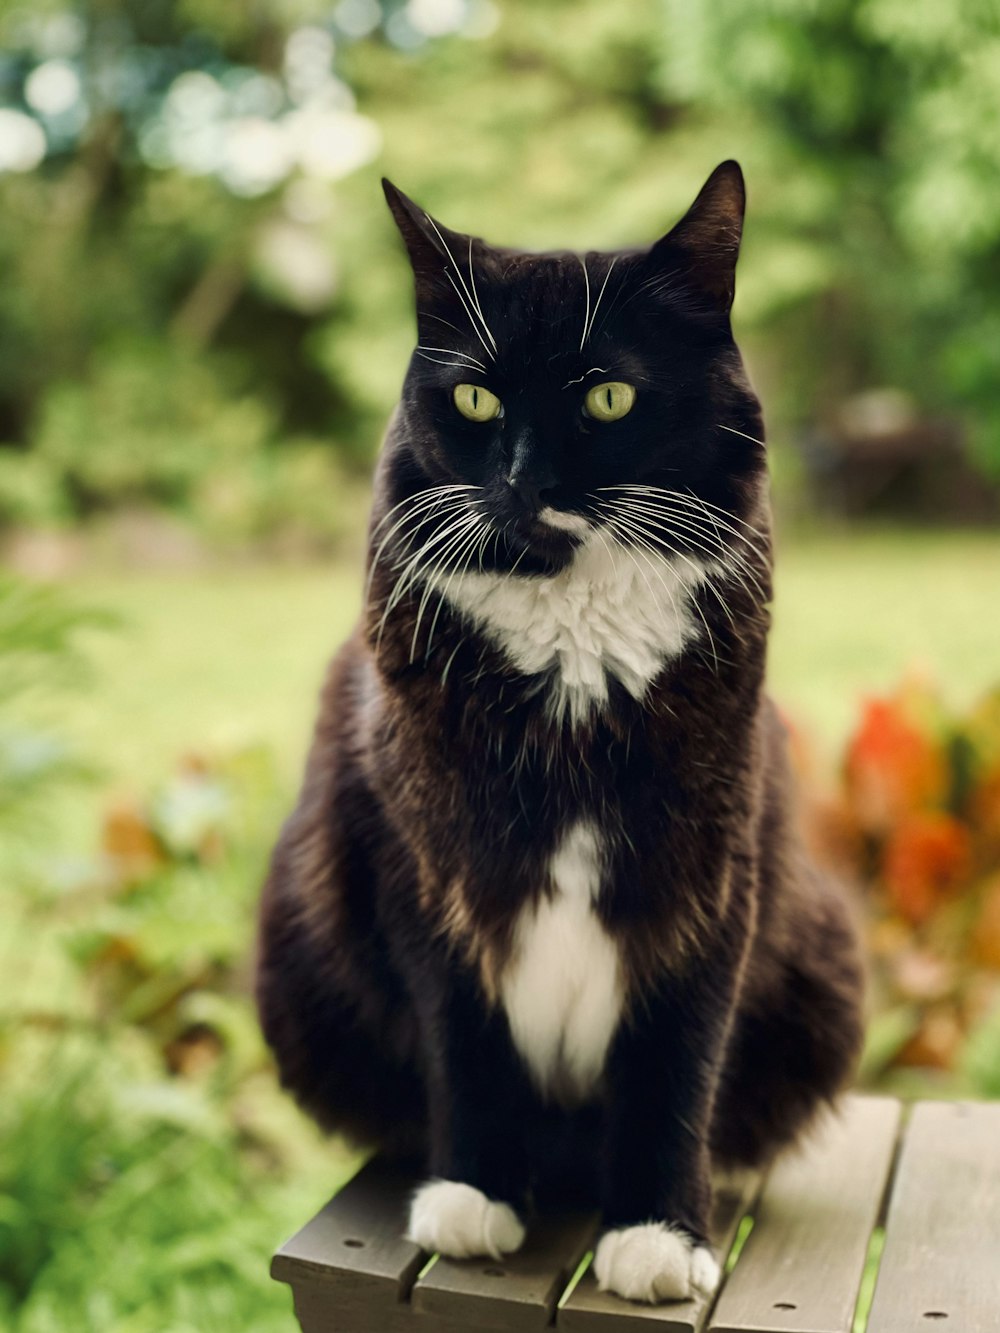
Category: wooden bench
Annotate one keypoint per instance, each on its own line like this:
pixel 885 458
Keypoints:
pixel 915 1194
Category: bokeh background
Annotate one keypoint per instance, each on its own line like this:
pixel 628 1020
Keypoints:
pixel 205 315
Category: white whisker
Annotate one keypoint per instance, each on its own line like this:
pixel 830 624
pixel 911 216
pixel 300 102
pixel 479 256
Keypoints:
pixel 468 311
pixel 597 304
pixel 457 542
pixel 586 315
pixel 475 294
pixel 579 380
pixel 733 431
pixel 460 365
pixel 450 351
pixel 458 271
pixel 642 541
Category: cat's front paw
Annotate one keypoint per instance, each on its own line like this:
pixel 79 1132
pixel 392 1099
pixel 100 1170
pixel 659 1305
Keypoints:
pixel 654 1262
pixel 460 1221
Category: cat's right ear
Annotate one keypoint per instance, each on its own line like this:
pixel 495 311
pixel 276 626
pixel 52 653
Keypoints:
pixel 430 245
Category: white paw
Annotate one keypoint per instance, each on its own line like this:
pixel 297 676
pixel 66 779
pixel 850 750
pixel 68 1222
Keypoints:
pixel 652 1262
pixel 460 1221
pixel 705 1271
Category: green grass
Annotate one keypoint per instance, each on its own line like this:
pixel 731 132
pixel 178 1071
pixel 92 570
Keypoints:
pixel 212 659
pixel 853 613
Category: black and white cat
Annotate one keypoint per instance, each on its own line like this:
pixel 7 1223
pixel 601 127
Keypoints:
pixel 542 919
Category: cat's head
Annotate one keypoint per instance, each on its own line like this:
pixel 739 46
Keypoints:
pixel 567 392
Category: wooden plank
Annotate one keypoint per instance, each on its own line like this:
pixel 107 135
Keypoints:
pixel 518 1292
pixel 354 1248
pixel 941 1263
pixel 802 1263
pixel 589 1310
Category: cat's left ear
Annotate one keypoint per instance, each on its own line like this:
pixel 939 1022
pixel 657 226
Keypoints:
pixel 429 244
pixel 704 246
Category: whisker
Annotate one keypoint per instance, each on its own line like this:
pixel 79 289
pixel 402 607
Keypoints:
pixel 468 311
pixel 600 294
pixel 707 579
pixel 697 536
pixel 450 351
pixel 458 271
pixel 684 519
pixel 409 573
pixel 586 314
pixel 426 314
pixel 460 365
pixel 475 294
pixel 689 496
pixel 423 505
pixel 733 431
pixel 581 378
pixel 642 541
pixel 459 539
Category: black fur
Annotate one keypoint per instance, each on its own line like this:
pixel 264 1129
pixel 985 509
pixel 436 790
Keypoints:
pixel 440 779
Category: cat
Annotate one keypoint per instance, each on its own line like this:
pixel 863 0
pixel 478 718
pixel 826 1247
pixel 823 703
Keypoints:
pixel 542 921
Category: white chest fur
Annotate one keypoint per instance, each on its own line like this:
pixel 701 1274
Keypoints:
pixel 610 611
pixel 562 987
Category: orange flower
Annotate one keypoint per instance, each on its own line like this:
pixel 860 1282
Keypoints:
pixel 892 767
pixel 926 859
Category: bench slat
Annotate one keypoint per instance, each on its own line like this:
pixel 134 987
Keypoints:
pixel 353 1249
pixel 941 1264
pixel 590 1310
pixel 802 1263
pixel 518 1292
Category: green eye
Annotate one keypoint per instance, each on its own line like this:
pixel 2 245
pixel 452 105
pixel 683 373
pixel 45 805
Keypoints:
pixel 476 403
pixel 608 402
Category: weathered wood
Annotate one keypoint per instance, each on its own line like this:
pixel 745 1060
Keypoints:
pixel 352 1255
pixel 518 1292
pixel 801 1266
pixel 589 1310
pixel 941 1263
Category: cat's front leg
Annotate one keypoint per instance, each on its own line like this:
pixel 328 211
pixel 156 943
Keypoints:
pixel 474 1202
pixel 657 1195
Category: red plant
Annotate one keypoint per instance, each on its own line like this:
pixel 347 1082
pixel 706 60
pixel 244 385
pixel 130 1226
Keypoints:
pixel 926 860
pixel 891 767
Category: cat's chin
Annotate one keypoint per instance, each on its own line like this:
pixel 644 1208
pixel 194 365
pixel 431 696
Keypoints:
pixel 538 547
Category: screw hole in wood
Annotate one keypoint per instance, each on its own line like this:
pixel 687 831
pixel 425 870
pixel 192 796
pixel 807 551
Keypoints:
pixel 784 1305
pixel 495 1272
pixel 935 1314
pixel 355 1244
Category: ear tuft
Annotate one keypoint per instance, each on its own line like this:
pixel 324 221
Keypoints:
pixel 706 241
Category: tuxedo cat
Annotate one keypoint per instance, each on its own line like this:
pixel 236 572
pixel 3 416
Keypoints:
pixel 541 919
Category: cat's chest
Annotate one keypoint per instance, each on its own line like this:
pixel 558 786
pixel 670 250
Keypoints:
pixel 610 613
pixel 561 987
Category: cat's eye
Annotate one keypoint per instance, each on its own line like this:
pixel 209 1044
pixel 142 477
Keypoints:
pixel 476 403
pixel 609 402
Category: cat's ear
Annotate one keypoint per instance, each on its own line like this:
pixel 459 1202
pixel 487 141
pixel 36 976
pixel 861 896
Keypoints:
pixel 703 247
pixel 430 245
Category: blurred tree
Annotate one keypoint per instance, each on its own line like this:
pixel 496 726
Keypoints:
pixel 204 304
pixel 880 122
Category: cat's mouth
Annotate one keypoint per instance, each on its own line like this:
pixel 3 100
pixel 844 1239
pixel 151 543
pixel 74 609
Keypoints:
pixel 564 520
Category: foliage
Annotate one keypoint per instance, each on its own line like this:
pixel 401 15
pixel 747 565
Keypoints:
pixel 39 629
pixel 148 1162
pixel 140 1118
pixel 877 152
pixel 204 303
pixel 916 820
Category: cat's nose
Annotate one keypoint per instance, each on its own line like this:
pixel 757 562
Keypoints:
pixel 529 476
pixel 527 491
